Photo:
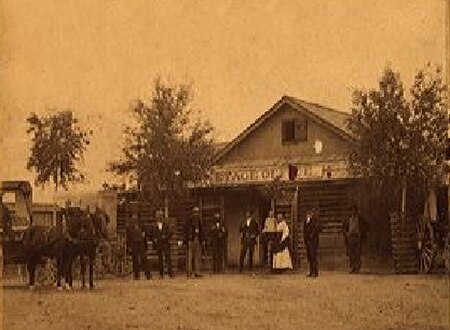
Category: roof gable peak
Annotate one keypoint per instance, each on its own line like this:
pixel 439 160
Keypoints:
pixel 331 118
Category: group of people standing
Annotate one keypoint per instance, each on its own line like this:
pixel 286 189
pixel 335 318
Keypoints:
pixel 196 239
pixel 274 236
pixel 137 237
pixel 160 235
pixel 275 239
pixel 354 229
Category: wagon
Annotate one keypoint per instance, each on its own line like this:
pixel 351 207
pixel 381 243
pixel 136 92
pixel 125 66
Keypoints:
pixel 433 245
pixel 16 218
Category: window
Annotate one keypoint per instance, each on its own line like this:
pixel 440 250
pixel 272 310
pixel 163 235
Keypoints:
pixel 294 130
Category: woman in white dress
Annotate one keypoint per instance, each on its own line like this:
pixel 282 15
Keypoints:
pixel 282 258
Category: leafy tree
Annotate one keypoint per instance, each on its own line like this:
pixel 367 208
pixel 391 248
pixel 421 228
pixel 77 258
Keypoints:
pixel 167 147
pixel 58 145
pixel 402 137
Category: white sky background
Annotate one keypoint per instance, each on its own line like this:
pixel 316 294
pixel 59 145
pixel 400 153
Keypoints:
pixel 96 57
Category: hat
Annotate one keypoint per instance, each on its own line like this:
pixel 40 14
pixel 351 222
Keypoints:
pixel 196 209
pixel 353 208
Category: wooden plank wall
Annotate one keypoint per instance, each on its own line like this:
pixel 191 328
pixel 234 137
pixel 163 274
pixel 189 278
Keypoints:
pixel 332 200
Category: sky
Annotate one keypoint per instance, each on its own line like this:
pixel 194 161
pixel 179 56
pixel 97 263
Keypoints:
pixel 96 57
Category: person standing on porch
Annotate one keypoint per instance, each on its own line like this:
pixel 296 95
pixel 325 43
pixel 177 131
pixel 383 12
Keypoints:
pixel 311 231
pixel 266 240
pixel 194 239
pixel 249 232
pixel 161 235
pixel 354 228
pixel 219 235
pixel 282 258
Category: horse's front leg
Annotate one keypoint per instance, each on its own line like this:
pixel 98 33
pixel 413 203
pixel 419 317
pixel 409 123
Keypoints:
pixel 83 270
pixel 31 266
pixel 68 271
pixel 70 274
pixel 59 271
pixel 91 269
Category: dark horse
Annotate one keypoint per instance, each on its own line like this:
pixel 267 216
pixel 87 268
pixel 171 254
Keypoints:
pixel 86 230
pixel 41 242
pixel 77 234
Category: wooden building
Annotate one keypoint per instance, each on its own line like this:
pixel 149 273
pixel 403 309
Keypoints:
pixel 292 134
pixel 44 214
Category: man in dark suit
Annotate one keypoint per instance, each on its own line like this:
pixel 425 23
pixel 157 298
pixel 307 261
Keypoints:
pixel 137 245
pixel 194 240
pixel 161 235
pixel 218 239
pixel 311 231
pixel 355 230
pixel 249 230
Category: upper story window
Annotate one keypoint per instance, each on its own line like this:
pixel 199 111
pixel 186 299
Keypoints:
pixel 294 130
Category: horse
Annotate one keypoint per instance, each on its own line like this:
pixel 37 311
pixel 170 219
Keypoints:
pixel 41 242
pixel 87 231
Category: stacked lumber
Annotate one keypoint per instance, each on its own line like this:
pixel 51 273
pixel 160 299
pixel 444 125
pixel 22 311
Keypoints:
pixel 404 243
pixel 178 213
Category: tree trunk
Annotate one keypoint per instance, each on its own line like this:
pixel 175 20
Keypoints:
pixel 166 206
pixel 403 207
pixel 55 179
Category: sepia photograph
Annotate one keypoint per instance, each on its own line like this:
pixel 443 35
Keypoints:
pixel 195 164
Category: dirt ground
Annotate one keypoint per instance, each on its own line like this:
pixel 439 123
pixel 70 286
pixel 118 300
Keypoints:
pixel 291 301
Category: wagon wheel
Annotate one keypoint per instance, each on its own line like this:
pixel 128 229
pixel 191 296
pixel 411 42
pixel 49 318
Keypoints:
pixel 108 257
pixel 427 248
pixel 122 263
pixel 99 268
pixel 46 273
pixel 446 254
pixel 127 267
pixel 102 259
pixel 426 257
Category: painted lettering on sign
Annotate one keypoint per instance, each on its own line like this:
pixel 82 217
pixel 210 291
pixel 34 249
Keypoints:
pixel 321 171
pixel 246 175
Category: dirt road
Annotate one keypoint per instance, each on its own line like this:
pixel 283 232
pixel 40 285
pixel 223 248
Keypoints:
pixel 332 301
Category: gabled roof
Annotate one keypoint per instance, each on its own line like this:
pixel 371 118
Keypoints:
pixel 332 119
pixel 218 146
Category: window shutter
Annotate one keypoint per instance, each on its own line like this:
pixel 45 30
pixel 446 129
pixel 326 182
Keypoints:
pixel 283 131
pixel 301 130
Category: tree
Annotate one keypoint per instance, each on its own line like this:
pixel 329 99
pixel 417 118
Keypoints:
pixel 58 145
pixel 402 140
pixel 167 147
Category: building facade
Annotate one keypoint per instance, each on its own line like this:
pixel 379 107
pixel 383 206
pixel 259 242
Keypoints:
pixel 291 158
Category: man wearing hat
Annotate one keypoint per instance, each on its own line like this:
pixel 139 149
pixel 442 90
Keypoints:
pixel 311 231
pixel 249 232
pixel 219 235
pixel 137 245
pixel 355 230
pixel 161 235
pixel 194 239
